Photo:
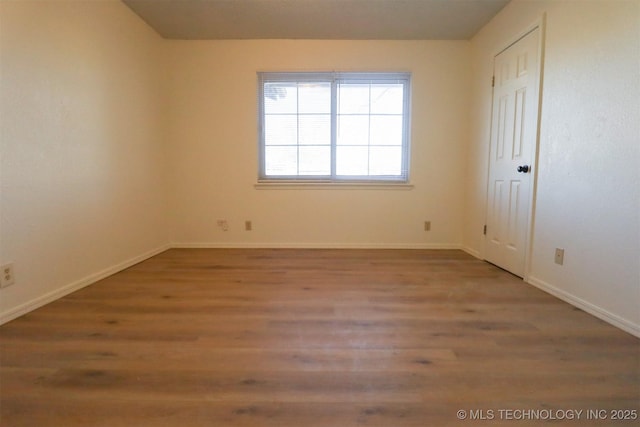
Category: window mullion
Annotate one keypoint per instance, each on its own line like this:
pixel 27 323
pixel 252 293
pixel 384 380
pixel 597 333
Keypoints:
pixel 405 130
pixel 369 134
pixel 298 129
pixel 261 129
pixel 334 126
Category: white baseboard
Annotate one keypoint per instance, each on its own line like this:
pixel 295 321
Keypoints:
pixel 599 312
pixel 74 286
pixel 590 308
pixel 49 297
pixel 471 252
pixel 245 245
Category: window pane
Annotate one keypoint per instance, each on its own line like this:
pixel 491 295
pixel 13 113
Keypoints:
pixel 387 98
pixel 314 98
pixel 352 161
pixel 385 161
pixel 353 130
pixel 315 160
pixel 281 129
pixel 353 98
pixel 281 160
pixel 315 129
pixel 280 98
pixel 386 130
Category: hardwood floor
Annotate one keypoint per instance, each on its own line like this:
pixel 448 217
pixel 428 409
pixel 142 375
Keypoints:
pixel 199 337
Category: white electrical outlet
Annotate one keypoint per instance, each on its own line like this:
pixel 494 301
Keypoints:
pixel 559 257
pixel 7 278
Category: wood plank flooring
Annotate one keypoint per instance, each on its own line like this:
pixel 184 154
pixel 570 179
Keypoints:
pixel 212 337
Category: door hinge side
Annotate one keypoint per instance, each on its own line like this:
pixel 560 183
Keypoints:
pixel 493 81
pixel 484 230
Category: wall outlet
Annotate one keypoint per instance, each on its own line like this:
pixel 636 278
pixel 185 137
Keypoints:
pixel 427 226
pixel 8 276
pixel 248 226
pixel 559 256
pixel 223 224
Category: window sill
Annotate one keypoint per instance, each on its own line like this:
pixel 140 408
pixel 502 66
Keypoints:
pixel 324 185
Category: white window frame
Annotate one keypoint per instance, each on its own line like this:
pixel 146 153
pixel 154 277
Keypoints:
pixel 335 78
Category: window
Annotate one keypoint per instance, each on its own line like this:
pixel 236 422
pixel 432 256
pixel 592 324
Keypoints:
pixel 334 126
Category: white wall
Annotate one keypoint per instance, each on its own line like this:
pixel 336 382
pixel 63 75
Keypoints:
pixel 588 194
pixel 214 148
pixel 82 191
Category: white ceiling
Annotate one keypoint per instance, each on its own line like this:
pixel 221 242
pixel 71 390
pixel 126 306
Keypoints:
pixel 317 19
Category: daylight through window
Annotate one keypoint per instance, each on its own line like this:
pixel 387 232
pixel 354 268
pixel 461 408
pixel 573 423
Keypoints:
pixel 334 126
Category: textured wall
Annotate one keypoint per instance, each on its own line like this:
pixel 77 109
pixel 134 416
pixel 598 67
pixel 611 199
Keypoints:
pixel 82 152
pixel 214 148
pixel 588 196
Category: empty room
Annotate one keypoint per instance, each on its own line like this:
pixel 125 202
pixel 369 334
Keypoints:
pixel 319 212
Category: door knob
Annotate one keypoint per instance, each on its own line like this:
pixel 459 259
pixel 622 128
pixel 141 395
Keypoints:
pixel 523 169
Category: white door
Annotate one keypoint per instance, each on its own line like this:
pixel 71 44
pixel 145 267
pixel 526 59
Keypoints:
pixel 514 130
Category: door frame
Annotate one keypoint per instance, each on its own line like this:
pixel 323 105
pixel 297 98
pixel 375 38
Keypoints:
pixel 539 24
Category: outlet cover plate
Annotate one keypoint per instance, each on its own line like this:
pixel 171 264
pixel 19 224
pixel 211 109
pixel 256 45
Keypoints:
pixel 7 278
